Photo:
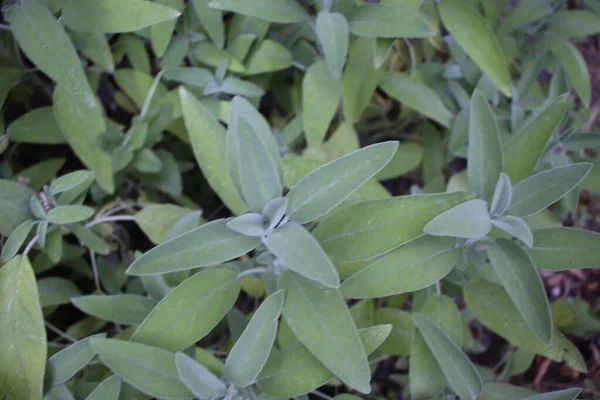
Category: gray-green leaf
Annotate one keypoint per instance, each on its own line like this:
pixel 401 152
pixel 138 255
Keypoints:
pixel 516 227
pixel 502 195
pixel 63 365
pixel 64 215
pixel 108 389
pixel 565 248
pixel 282 11
pixel 388 20
pixel 332 30
pixel 468 220
pixel 128 309
pixel 203 383
pixel 16 240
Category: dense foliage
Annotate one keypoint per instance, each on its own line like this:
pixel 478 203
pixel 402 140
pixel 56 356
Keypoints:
pixel 242 199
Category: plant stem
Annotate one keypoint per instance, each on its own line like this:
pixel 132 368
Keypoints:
pixel 5 27
pixel 110 219
pixel 95 270
pixel 30 246
pixel 59 332
pixel 321 395
pixel 252 271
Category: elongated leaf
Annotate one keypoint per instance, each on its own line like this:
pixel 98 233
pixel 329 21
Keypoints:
pixel 63 365
pixel 90 239
pixel 474 37
pixel 250 224
pixel 416 95
pixel 522 152
pixel 566 394
pixel 516 227
pixel 565 248
pixel 321 190
pixel 371 228
pixel 190 311
pixel 497 391
pixel 162 33
pixel 320 320
pixel 523 284
pixel 403 327
pixel 283 11
pixel 63 215
pixel 492 306
pixel 460 372
pixel 502 196
pixel 212 20
pixel 425 376
pixel 108 389
pixel 206 245
pixel 539 191
pixel 22 332
pixel 208 139
pixel 525 12
pixel 149 369
pixel 485 153
pixel 332 30
pixel 413 266
pixel 574 64
pixel 54 291
pixel 71 181
pixel 48 46
pixel 388 20
pixel 321 95
pixel 295 371
pixel 114 16
pixel 16 240
pixel 95 47
pixel 300 252
pixel 14 206
pixel 466 220
pixel 198 379
pixel 577 23
pixel 36 126
pixel 252 156
pixel 129 309
pixel 251 351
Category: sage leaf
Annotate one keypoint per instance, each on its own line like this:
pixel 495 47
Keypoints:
pixel 301 253
pixel 206 245
pixel 332 30
pixel 468 220
pixel 425 376
pixel 539 191
pixel 37 126
pixel 475 36
pixel 108 389
pixel 485 152
pixel 22 332
pixel 189 311
pixel 516 227
pixel 251 351
pixel 565 248
pixel 54 291
pixel 502 195
pixel 576 23
pixel 63 365
pixel 250 224
pixel 403 327
pixel 283 12
pixel 114 16
pixel 14 206
pixel 71 181
pixel 324 188
pixel 150 370
pixel 16 240
pixel 128 309
pixel 198 379
pixel 460 372
pixel 212 21
pixel 388 20
pixel 320 319
pixel 566 394
pixel 411 267
pixel 64 215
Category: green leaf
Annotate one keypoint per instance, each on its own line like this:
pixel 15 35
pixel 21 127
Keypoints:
pixel 332 30
pixel 268 56
pixel 500 391
pixel 156 220
pixel 146 161
pixel 283 11
pixel 474 37
pixel 90 239
pixel 321 95
pixel 250 224
pixel 407 158
pixel 128 309
pixel 566 394
pixel 209 244
pixel 523 284
pixel 323 189
pixel 301 253
pixel 114 16
pixel 63 215
pixel 460 372
pixel 320 320
pixel 48 46
pixel 9 77
pixel 22 332
pixel 416 95
pixel 252 156
pixel 251 351
pixel 71 181
pixel 388 20
pixel 37 126
pixel 516 227
pixel 565 248
pixel 295 371
pixel 468 220
pixel 371 228
pixel 413 266
pixel 14 206
pixel 16 240
pixel 502 195
pixel 54 291
pixel 236 86
pixel 492 306
pixel 574 64
pixel 138 84
pixel 208 139
pixel 403 327
pixel 522 152
pixel 162 33
pixel 198 379
pixel 539 191
pixel 426 379
pixel 212 21
pixel 149 369
pixel 108 389
pixel 360 78
pixel 525 12
pixel 577 23
pixel 63 365
pixel 190 311
pixel 95 47
pixel 485 152
pixel 81 124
